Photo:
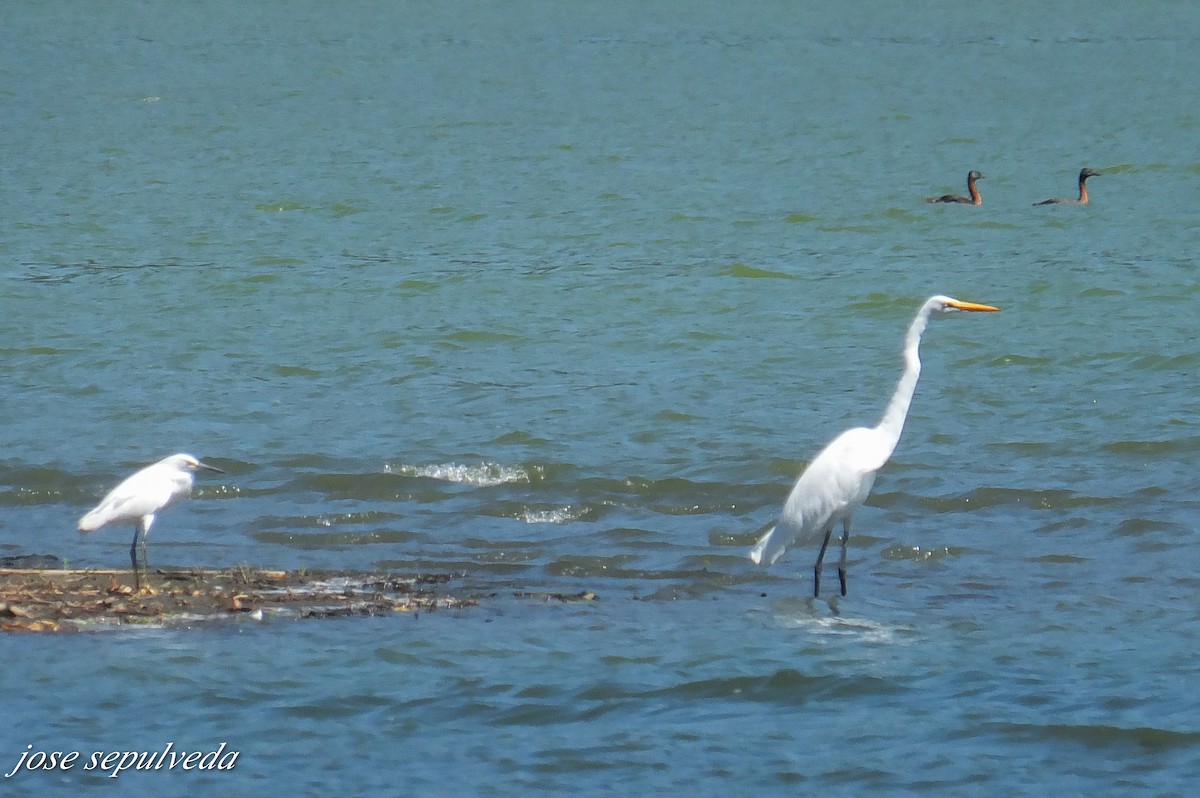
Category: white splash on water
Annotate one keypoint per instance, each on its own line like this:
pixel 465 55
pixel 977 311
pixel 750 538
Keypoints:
pixel 481 474
pixel 561 515
pixel 811 616
pixel 862 629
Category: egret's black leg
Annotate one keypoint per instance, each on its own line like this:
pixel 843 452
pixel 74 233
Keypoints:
pixel 133 550
pixel 842 562
pixel 817 567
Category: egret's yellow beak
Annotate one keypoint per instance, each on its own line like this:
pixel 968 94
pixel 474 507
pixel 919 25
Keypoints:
pixel 954 303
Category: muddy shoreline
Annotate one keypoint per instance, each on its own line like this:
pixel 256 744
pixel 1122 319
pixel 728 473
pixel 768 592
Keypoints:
pixel 40 599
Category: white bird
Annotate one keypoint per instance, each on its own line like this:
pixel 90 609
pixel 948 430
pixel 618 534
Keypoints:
pixel 141 496
pixel 839 479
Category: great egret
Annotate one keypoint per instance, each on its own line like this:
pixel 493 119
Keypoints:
pixel 974 199
pixel 1084 174
pixel 839 479
pixel 141 496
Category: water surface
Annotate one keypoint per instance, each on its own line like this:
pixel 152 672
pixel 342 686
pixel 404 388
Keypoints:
pixel 564 298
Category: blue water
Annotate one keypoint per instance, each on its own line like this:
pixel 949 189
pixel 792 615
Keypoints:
pixel 563 298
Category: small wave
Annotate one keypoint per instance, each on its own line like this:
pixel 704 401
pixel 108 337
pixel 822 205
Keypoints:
pixel 340 519
pixel 560 515
pixel 1136 527
pixel 742 270
pixel 786 685
pixel 334 540
pixel 1102 735
pixel 916 553
pixel 481 474
pixel 823 619
pixel 1151 449
pixel 988 497
pixel 860 629
pixel 30 497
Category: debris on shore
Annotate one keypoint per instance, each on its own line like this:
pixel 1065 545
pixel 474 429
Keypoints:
pixel 43 599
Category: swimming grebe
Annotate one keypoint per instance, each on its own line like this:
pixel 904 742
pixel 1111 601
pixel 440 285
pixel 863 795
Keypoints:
pixel 974 199
pixel 1084 174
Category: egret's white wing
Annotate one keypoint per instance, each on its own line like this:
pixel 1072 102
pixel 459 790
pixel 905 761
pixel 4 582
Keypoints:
pixel 835 483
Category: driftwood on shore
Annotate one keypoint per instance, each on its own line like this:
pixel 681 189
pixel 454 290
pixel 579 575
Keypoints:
pixel 56 599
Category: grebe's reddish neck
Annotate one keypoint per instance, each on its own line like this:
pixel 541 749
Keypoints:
pixel 1084 174
pixel 974 199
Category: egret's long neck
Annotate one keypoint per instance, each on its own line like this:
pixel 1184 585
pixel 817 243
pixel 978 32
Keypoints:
pixel 892 423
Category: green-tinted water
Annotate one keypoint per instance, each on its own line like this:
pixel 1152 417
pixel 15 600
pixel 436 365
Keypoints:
pixel 565 297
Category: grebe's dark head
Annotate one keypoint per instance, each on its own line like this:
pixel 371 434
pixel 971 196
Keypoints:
pixel 974 175
pixel 1085 173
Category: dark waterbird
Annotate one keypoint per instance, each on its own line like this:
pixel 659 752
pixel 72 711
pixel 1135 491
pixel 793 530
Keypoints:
pixel 1084 174
pixel 974 199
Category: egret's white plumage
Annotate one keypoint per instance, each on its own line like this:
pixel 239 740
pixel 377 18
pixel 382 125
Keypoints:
pixel 839 479
pixel 139 498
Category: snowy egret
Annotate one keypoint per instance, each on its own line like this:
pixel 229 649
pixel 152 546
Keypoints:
pixel 141 496
pixel 1084 174
pixel 839 479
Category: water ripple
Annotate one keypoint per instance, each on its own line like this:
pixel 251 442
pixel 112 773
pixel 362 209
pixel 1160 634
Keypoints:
pixel 1101 735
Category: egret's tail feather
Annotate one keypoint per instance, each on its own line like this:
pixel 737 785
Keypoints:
pixel 92 521
pixel 756 553
pixel 100 516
